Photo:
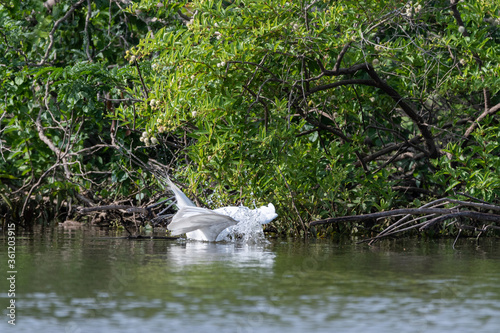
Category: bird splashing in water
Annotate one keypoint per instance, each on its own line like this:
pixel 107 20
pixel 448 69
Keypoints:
pixel 226 223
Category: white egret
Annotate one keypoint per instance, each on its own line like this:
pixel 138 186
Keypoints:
pixel 213 225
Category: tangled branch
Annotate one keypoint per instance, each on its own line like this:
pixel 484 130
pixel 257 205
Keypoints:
pixel 430 213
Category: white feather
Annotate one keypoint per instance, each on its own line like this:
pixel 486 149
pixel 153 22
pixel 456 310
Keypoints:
pixel 182 200
pixel 206 225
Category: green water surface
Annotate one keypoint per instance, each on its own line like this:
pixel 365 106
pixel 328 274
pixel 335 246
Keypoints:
pixel 85 281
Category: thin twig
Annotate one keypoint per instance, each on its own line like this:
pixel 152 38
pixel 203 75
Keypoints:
pixel 146 93
pixel 53 30
pixel 293 201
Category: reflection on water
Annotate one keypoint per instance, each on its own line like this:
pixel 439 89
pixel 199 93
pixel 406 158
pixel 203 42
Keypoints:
pixel 82 280
pixel 231 254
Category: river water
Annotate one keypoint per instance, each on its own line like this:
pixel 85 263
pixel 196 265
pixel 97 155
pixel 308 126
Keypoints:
pixel 87 280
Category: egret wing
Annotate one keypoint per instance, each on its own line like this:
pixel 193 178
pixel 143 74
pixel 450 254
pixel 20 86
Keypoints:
pixel 209 222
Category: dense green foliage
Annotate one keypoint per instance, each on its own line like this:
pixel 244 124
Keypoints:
pixel 62 65
pixel 324 108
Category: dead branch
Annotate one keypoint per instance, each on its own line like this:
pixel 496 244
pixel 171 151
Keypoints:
pixel 128 208
pixel 377 82
pixel 405 211
pixel 469 214
pixel 429 213
pixel 154 213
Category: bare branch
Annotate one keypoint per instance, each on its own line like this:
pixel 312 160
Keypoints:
pixel 53 30
pixel 474 125
pixel 342 83
pixel 145 89
pixel 406 211
pixel 45 139
pixel 340 57
pixel 129 208
pixel 410 112
pixel 429 211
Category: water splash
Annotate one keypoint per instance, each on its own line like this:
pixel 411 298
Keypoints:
pixel 250 221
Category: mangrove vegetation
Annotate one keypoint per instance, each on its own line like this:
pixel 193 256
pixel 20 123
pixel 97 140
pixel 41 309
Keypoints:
pixel 327 109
